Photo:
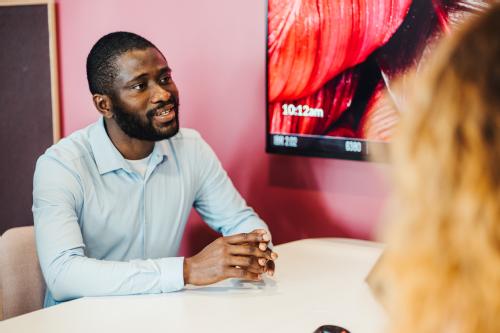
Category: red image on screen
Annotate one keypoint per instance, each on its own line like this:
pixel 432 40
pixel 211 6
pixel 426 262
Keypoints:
pixel 330 63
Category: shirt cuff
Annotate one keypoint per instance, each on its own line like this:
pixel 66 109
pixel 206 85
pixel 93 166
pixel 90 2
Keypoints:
pixel 172 274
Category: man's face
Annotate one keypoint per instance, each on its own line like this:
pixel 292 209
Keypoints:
pixel 145 100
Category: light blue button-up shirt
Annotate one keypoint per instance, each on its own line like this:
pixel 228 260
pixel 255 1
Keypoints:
pixel 103 229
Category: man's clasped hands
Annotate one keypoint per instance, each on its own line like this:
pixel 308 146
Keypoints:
pixel 246 256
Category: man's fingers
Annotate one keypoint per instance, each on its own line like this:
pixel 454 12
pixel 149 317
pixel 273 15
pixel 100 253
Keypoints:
pixel 260 231
pixel 250 250
pixel 221 259
pixel 274 255
pixel 251 237
pixel 256 267
pixel 270 267
pixel 249 263
pixel 234 272
pixel 241 261
pixel 271 255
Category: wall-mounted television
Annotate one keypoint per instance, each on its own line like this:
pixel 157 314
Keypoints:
pixel 331 64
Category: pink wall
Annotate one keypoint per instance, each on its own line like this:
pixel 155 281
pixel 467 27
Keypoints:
pixel 217 51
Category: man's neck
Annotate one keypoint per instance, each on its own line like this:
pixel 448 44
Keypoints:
pixel 130 148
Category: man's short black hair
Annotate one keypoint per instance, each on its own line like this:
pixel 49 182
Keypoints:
pixel 101 66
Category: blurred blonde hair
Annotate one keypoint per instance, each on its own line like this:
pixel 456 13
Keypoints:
pixel 441 269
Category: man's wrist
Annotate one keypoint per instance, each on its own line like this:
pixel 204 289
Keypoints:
pixel 186 270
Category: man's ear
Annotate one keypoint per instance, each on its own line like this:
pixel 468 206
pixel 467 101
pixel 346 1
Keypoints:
pixel 103 104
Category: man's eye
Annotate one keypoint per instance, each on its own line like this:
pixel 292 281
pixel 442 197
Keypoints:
pixel 139 86
pixel 166 80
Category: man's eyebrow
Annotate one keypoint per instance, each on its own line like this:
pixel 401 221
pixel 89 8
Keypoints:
pixel 166 69
pixel 140 76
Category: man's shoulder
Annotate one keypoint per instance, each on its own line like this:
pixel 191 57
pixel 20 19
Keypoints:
pixel 189 142
pixel 187 134
pixel 187 137
pixel 71 148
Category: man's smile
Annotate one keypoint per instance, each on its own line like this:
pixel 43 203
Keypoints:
pixel 163 114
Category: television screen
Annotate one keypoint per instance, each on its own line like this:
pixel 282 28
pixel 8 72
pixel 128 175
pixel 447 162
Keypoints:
pixel 331 65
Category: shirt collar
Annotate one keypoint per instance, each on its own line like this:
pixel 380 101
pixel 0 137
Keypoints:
pixel 108 158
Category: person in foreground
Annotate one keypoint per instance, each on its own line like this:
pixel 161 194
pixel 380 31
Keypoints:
pixel 110 202
pixel 441 268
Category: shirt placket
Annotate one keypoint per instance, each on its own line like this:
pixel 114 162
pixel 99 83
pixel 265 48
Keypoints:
pixel 155 160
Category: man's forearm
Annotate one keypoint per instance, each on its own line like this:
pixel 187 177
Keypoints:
pixel 73 275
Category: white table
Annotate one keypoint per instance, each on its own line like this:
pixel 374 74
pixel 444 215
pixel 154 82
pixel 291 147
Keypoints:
pixel 317 282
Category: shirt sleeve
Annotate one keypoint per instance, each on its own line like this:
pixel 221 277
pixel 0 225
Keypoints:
pixel 68 273
pixel 217 200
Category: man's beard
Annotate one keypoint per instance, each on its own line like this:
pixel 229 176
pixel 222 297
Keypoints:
pixel 137 127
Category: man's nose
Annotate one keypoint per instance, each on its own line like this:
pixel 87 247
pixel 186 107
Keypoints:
pixel 160 94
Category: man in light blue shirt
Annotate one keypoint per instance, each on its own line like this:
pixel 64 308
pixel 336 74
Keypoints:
pixel 111 201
